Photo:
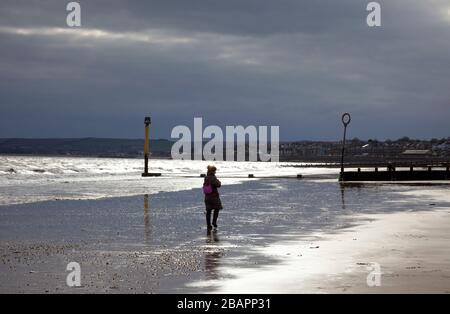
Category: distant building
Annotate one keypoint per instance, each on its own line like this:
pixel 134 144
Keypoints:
pixel 417 152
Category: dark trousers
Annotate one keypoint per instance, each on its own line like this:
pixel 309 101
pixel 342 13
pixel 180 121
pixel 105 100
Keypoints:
pixel 208 217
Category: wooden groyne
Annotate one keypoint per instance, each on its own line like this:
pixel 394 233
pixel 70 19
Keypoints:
pixel 391 173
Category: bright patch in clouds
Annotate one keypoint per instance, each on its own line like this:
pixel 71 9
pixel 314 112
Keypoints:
pixel 150 37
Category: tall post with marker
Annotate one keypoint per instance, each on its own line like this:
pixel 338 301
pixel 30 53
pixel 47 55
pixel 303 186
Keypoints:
pixel 147 122
pixel 346 118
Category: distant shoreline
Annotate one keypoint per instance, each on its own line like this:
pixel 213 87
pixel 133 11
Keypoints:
pixel 404 151
pixel 80 156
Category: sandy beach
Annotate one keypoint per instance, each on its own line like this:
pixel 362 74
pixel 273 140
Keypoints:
pixel 275 236
pixel 411 250
pixel 319 129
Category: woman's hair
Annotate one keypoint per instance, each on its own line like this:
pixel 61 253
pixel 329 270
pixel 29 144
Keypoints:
pixel 211 169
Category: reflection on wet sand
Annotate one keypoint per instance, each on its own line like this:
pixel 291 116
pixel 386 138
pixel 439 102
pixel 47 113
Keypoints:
pixel 347 185
pixel 212 237
pixel 147 229
pixel 212 257
pixel 343 196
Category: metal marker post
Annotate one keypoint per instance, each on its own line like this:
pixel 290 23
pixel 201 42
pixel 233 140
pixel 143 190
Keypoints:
pixel 345 121
pixel 147 122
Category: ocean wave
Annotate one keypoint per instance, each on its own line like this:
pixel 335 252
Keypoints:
pixel 26 179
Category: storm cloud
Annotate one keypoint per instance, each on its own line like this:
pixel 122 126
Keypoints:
pixel 296 64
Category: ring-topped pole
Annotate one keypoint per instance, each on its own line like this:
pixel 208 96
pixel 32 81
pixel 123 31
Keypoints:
pixel 346 118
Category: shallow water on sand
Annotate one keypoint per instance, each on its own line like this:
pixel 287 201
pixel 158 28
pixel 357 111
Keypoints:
pixel 158 242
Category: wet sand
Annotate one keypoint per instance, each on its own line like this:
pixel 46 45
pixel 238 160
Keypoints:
pixel 274 236
pixel 411 249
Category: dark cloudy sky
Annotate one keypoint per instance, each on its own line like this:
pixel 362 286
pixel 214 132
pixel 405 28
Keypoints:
pixel 298 64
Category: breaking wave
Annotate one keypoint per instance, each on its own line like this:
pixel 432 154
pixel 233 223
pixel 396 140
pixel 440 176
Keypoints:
pixel 26 179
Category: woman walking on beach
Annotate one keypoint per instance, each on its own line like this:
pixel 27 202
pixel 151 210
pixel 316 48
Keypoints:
pixel 212 199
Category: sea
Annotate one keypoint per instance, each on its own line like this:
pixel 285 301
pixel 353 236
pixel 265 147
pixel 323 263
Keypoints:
pixel 28 179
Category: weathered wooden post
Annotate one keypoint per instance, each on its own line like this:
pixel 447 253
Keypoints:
pixel 147 122
pixel 346 118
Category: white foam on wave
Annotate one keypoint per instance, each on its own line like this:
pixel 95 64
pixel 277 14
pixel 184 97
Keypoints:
pixel 25 179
